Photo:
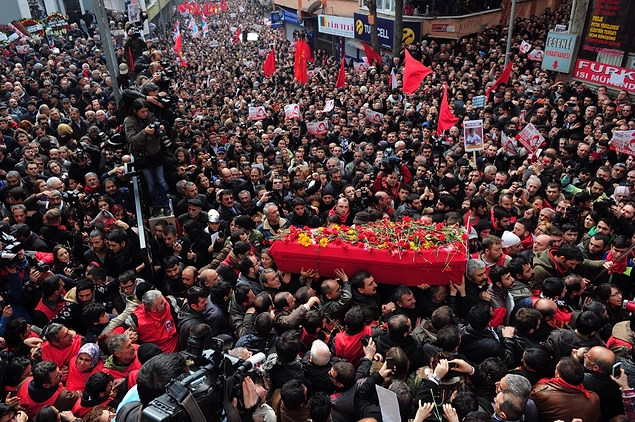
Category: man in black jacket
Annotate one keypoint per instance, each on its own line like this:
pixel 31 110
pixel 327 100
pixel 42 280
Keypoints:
pixel 521 337
pixel 478 340
pixel 598 363
pixel 191 313
pixel 398 335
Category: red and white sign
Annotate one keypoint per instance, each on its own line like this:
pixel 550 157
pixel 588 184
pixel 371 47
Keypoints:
pixel 374 117
pixel 292 111
pixel 524 47
pixel 360 67
pixel 530 138
pixel 624 141
pixel 329 105
pixel 317 128
pixel 257 113
pixel 536 55
pixel 605 74
pixel 509 144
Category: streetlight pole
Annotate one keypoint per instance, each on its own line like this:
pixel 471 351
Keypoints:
pixel 510 31
pixel 106 45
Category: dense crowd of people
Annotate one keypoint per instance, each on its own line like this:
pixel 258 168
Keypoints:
pixel 541 328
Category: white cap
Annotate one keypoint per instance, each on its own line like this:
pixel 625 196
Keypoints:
pixel 509 239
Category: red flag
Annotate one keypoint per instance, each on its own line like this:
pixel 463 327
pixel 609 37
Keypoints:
pixel 197 10
pixel 237 35
pixel 341 76
pixel 446 117
pixel 301 56
pixel 270 63
pixel 182 59
pixel 182 8
pixel 413 74
pixel 371 55
pixel 502 79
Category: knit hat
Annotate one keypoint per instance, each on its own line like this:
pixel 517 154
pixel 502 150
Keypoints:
pixel 147 351
pixel 509 239
pixel 64 130
pixel 92 350
pixel 245 222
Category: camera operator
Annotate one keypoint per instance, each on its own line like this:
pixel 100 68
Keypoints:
pixel 141 131
pixel 135 47
pixel 85 159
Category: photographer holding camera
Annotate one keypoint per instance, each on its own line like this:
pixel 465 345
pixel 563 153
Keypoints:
pixel 142 128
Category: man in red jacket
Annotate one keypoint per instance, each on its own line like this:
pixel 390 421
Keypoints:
pixel 61 346
pixel 154 322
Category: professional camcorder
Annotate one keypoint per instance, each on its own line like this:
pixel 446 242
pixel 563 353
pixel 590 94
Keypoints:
pixel 207 393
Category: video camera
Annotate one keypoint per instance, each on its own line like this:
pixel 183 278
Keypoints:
pixel 9 256
pixel 207 393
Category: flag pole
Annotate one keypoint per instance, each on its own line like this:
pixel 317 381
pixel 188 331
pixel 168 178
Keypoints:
pixel 510 31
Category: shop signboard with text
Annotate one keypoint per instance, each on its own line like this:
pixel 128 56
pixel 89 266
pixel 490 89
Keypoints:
pixel 385 30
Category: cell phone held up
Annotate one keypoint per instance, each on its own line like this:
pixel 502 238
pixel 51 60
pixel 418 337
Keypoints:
pixel 616 371
pixel 365 340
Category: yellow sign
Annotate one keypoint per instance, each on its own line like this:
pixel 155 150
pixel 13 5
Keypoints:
pixel 359 26
pixel 408 36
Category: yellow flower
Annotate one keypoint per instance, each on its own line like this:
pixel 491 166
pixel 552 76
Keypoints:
pixel 323 242
pixel 413 246
pixel 305 240
pixel 427 244
pixel 351 232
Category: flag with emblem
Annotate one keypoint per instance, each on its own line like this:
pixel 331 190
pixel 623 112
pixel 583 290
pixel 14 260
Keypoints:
pixel 301 56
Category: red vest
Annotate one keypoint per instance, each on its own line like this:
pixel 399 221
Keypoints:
pixel 30 406
pixel 77 380
pixel 132 378
pixel 116 374
pixel 159 329
pixel 80 411
pixel 350 347
pixel 50 313
pixel 61 357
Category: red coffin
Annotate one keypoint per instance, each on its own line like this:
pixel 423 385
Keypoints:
pixel 410 268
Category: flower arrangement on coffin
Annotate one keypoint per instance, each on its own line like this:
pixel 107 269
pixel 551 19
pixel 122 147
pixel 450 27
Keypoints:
pixel 398 238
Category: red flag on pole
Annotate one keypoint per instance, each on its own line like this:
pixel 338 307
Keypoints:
pixel 371 55
pixel 301 56
pixel 341 76
pixel 270 63
pixel 446 117
pixel 237 35
pixel 502 79
pixel 413 74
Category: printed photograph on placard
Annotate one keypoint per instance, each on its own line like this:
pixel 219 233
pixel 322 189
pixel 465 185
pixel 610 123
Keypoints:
pixel 473 135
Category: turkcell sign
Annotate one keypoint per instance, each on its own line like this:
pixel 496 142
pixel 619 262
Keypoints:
pixel 385 30
pixel 559 49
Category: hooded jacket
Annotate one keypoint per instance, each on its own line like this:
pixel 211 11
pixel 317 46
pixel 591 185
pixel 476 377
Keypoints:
pixel 412 349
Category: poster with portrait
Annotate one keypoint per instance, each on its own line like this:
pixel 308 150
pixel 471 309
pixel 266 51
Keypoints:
pixel 374 117
pixel 624 141
pixel 317 128
pixel 257 113
pixel 292 111
pixel 473 135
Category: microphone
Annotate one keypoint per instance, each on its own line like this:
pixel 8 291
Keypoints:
pixel 250 363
